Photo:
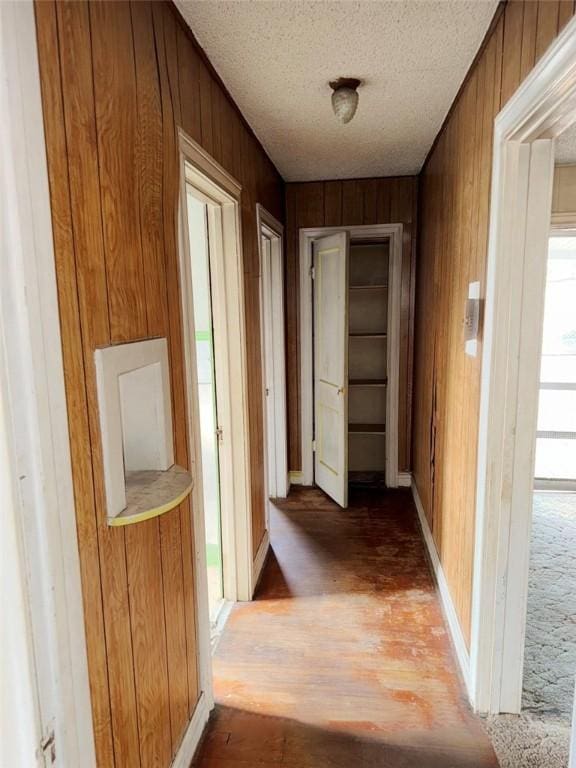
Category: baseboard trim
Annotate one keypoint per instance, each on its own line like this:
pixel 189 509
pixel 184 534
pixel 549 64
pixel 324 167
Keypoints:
pixel 296 478
pixel 193 734
pixel 404 479
pixel 260 559
pixel 445 596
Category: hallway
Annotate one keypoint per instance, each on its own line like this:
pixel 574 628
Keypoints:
pixel 343 658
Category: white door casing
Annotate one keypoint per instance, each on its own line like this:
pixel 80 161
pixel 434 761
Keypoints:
pixel 358 234
pixel 331 365
pixel 522 173
pixel 270 233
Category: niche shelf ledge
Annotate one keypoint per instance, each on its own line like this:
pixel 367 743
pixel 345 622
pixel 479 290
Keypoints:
pixel 151 493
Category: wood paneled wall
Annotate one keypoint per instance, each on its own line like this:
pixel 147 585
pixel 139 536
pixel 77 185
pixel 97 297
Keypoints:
pixel 454 211
pixel 346 203
pixel 117 79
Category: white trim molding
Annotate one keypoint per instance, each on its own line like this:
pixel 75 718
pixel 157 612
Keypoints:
pixel 214 186
pixel 193 734
pixel 296 477
pixel 393 233
pixel 272 332
pixel 36 437
pixel 221 192
pixel 520 215
pixel 448 608
pixel 404 479
pixel 260 558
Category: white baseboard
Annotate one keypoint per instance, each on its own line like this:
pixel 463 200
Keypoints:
pixel 445 596
pixel 260 559
pixel 296 478
pixel 193 734
pixel 404 479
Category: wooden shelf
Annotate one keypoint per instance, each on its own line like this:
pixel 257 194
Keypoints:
pixel 150 493
pixel 367 383
pixel 367 287
pixel 366 429
pixel 367 335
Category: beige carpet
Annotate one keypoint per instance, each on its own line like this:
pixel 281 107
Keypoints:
pixel 540 737
pixel 525 741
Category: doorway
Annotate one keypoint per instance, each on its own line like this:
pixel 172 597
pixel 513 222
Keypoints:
pixel 511 388
pixel 197 210
pixel 555 465
pixel 350 343
pixel 213 328
pixel 271 234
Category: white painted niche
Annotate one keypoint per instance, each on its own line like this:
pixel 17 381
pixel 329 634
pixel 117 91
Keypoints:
pixel 140 477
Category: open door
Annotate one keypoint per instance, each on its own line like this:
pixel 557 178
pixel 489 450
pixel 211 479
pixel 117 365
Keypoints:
pixel 331 365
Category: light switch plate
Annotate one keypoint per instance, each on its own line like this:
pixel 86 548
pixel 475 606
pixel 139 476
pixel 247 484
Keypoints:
pixel 472 319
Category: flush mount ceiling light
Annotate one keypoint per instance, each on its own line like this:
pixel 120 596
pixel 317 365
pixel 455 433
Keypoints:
pixel 345 97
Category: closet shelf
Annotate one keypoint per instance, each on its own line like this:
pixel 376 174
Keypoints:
pixel 367 429
pixel 367 382
pixel 367 287
pixel 367 335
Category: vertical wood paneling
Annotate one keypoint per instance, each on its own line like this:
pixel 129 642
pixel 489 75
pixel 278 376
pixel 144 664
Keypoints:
pixel 73 356
pixel 352 201
pixel 528 42
pixel 565 13
pixel 332 203
pixel 206 108
pixel 189 83
pixel 454 219
pixel 116 118
pixel 347 203
pixel 547 28
pixel 176 534
pixel 118 79
pixel 513 29
pixel 93 293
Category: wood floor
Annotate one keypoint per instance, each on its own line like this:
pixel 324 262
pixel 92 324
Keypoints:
pixel 343 659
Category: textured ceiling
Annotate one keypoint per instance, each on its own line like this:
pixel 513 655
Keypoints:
pixel 565 151
pixel 277 56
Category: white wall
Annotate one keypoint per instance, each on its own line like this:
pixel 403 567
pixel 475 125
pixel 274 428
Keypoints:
pixel 19 719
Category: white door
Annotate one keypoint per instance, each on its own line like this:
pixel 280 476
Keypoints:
pixel 331 365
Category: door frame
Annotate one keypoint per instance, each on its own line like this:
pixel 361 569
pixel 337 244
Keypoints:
pixel 521 199
pixel 222 191
pixel 277 483
pixel 307 236
pixel 51 664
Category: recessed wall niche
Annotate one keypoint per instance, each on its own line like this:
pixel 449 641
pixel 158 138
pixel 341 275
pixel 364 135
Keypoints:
pixel 140 477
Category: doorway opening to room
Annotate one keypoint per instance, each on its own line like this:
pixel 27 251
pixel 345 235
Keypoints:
pixel 523 645
pixel 350 327
pixel 210 431
pixel 216 374
pixel 550 642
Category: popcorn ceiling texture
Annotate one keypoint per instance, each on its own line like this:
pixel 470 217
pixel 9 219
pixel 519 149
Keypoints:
pixel 277 56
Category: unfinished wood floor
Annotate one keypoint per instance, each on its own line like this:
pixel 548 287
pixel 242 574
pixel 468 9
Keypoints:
pixel 343 659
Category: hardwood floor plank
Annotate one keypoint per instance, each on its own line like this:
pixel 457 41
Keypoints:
pixel 354 664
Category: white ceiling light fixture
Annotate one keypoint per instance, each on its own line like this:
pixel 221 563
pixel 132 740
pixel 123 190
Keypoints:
pixel 345 97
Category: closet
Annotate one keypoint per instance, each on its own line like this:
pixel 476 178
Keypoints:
pixel 354 332
pixel 367 364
